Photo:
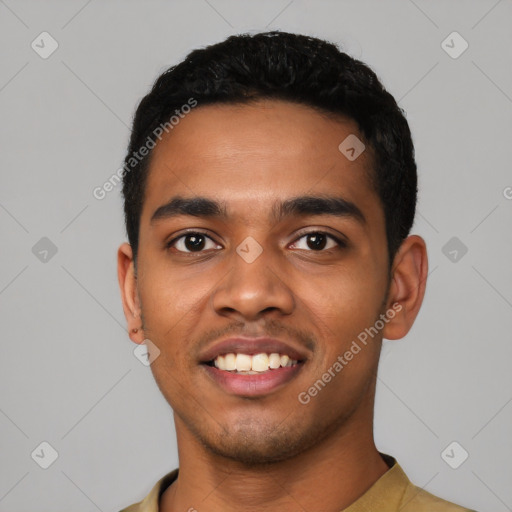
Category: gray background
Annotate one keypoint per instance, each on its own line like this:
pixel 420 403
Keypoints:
pixel 68 373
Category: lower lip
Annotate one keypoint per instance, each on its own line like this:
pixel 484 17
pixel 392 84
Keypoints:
pixel 253 385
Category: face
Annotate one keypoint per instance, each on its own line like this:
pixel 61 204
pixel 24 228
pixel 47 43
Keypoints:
pixel 259 237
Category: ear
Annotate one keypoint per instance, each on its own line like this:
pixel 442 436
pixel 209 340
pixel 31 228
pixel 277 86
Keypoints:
pixel 129 293
pixel 407 288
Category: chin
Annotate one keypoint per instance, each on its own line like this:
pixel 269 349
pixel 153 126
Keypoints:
pixel 248 453
pixel 253 444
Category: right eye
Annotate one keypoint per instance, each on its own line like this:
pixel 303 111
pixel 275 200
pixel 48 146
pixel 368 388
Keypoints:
pixel 192 241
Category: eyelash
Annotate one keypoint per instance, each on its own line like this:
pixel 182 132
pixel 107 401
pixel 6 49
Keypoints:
pixel 341 244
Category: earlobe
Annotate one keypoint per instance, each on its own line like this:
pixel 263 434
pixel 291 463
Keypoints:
pixel 129 293
pixel 407 288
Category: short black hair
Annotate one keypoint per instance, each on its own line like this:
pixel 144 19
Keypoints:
pixel 292 67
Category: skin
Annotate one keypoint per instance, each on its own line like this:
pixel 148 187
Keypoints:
pixel 269 452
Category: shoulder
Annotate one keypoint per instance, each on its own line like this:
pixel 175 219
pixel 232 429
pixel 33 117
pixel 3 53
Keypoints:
pixel 396 490
pixel 132 508
pixel 416 499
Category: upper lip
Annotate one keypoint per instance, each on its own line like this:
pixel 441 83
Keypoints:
pixel 251 346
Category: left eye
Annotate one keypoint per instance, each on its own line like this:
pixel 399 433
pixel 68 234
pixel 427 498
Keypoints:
pixel 317 241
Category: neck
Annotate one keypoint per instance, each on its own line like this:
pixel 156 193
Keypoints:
pixel 329 477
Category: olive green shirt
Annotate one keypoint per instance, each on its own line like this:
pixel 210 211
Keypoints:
pixel 392 492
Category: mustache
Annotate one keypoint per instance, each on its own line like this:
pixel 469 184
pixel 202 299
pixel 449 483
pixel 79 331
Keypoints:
pixel 269 328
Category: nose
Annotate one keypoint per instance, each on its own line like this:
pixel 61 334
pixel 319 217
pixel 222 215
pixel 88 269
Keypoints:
pixel 253 288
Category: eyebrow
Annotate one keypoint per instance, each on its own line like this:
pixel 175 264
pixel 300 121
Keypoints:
pixel 295 206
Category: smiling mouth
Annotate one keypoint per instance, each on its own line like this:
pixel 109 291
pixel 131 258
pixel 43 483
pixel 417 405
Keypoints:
pixel 246 364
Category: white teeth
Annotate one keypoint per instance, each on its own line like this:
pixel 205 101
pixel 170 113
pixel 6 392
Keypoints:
pixel 260 363
pixel 243 362
pixel 274 361
pixel 252 365
pixel 230 362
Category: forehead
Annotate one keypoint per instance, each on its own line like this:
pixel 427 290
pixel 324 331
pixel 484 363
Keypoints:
pixel 250 155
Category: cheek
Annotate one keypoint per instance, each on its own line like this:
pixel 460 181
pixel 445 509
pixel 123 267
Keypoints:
pixel 346 302
pixel 347 358
pixel 170 306
pixel 168 296
pixel 341 310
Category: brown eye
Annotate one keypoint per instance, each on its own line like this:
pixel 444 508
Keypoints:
pixel 317 241
pixel 193 242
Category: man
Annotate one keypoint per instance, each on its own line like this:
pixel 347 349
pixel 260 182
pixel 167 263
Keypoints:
pixel 270 187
